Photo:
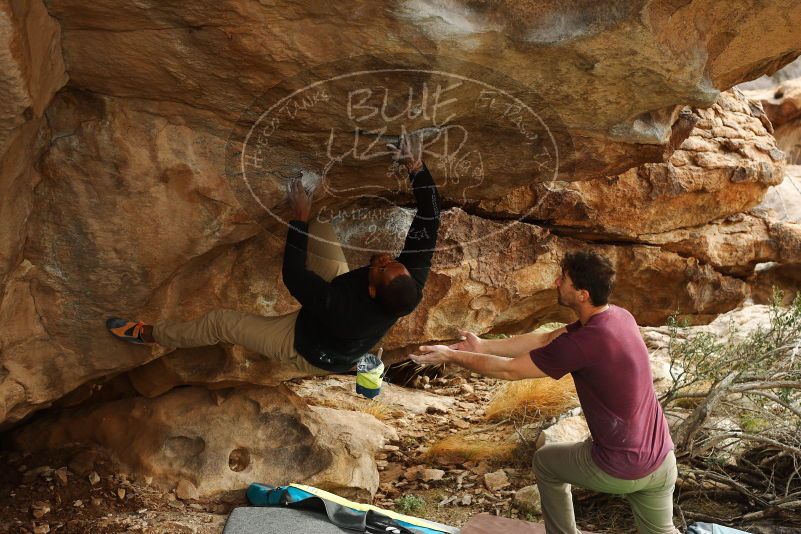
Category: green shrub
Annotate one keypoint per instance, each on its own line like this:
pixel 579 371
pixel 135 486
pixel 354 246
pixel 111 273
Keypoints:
pixel 409 504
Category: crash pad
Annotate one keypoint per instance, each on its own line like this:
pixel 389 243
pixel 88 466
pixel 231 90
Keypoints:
pixel 279 520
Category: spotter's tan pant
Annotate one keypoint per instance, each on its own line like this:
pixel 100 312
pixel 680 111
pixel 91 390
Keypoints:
pixel 273 337
pixel 559 465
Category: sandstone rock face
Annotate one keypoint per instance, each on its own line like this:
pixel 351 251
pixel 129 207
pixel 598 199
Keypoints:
pixel 508 283
pixel 734 245
pixel 693 204
pixel 781 98
pixel 782 208
pixel 31 71
pixel 723 167
pixel 32 65
pixel 115 200
pixel 223 441
pixel 79 267
pixel 587 58
pixel 782 103
pixel 504 284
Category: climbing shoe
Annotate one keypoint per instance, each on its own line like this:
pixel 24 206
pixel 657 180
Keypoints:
pixel 129 331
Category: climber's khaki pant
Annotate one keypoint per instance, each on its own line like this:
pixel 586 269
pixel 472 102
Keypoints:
pixel 559 465
pixel 272 336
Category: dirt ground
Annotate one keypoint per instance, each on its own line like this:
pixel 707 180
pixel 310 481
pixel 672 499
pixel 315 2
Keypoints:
pixel 80 490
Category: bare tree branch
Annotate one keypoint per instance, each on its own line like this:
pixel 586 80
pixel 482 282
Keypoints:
pixel 792 505
pixel 775 398
pixel 688 428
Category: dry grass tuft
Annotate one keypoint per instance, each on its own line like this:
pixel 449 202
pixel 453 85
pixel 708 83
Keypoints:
pixel 376 408
pixel 459 448
pixel 538 397
pixel 380 411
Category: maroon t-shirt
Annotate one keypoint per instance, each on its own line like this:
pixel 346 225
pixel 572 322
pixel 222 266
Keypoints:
pixel 611 368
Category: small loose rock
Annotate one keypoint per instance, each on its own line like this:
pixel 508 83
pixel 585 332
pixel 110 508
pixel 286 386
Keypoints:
pixel 186 491
pixel 431 475
pixel 39 509
pixel 496 480
pixel 528 500
pixel 61 476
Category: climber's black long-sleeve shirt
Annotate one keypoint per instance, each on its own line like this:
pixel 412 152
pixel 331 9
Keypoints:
pixel 338 320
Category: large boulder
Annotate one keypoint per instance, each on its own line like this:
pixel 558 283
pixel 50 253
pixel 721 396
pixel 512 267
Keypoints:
pixel 211 443
pixel 572 429
pixel 117 199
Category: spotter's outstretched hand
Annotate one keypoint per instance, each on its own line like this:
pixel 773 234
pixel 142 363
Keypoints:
pixel 468 342
pixel 433 355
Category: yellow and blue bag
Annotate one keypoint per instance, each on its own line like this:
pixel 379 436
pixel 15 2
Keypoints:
pixel 370 375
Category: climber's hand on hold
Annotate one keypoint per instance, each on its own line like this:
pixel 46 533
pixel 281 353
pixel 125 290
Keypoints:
pixel 299 200
pixel 409 151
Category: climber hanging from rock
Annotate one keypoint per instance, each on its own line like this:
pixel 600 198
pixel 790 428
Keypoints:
pixel 343 313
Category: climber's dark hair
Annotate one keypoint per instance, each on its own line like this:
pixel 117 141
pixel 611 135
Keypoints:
pixel 399 297
pixel 592 272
